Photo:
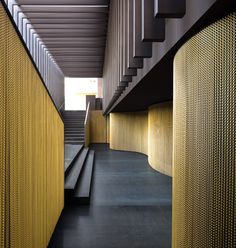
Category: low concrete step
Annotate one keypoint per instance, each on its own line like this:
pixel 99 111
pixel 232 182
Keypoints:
pixel 79 141
pixel 71 153
pixel 83 189
pixel 74 173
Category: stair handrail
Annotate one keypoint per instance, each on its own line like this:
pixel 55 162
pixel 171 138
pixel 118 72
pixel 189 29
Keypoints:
pixel 87 113
pixel 87 126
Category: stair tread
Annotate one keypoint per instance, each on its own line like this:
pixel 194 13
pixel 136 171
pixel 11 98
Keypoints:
pixel 83 188
pixel 73 131
pixel 74 127
pixel 77 142
pixel 71 151
pixel 76 137
pixel 73 175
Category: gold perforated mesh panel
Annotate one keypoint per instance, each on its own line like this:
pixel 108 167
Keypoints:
pixel 2 135
pixel 160 137
pixel 205 139
pixel 31 149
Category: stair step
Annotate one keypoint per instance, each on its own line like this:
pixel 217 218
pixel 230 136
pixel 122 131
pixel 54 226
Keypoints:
pixel 73 136
pixel 83 189
pixel 74 173
pixel 74 126
pixel 73 123
pixel 73 111
pixel 78 141
pixel 74 116
pixel 72 131
pixel 74 120
pixel 71 152
pixel 75 142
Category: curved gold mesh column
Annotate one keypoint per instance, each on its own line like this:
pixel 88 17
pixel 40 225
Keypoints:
pixel 31 149
pixel 204 133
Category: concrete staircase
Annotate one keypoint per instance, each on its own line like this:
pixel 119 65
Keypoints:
pixel 74 126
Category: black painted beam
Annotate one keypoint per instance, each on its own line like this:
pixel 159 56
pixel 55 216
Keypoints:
pixel 131 61
pixel 140 49
pixel 126 71
pixel 153 29
pixel 169 8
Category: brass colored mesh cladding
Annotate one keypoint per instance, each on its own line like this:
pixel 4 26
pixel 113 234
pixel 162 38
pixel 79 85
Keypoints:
pixel 129 131
pixel 160 137
pixel 2 136
pixel 204 133
pixel 149 132
pixel 31 149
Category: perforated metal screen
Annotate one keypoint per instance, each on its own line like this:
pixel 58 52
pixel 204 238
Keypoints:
pixel 31 149
pixel 205 138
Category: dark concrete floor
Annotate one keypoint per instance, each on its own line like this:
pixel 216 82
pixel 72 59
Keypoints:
pixel 130 206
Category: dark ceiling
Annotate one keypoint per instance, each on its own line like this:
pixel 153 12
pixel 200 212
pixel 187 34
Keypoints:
pixel 74 31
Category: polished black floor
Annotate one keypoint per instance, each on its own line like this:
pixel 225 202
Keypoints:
pixel 130 206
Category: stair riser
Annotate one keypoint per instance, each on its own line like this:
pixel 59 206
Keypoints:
pixel 81 129
pixel 74 135
pixel 73 131
pixel 75 143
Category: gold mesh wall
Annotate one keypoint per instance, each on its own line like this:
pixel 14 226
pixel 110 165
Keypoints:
pixel 129 131
pixel 2 135
pixel 160 137
pixel 204 133
pixel 149 132
pixel 31 149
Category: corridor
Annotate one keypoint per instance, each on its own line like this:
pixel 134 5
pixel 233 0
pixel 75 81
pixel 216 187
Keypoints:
pixel 130 206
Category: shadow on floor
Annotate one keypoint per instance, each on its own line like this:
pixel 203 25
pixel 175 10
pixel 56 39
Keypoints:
pixel 130 206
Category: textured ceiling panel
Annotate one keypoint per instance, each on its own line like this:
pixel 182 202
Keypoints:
pixel 74 32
